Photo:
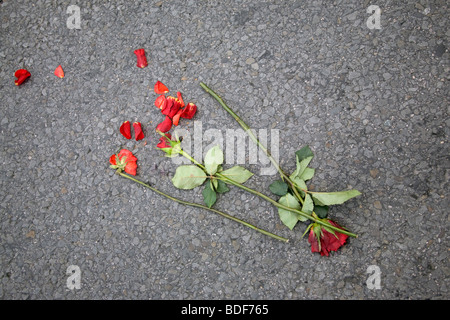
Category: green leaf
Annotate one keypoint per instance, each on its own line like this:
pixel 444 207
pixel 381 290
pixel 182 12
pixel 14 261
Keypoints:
pixel 209 195
pixel 221 187
pixel 213 158
pixel 304 153
pixel 301 170
pixel 188 177
pixel 237 173
pixel 280 188
pixel 307 174
pixel 308 206
pixel 289 218
pixel 321 211
pixel 330 198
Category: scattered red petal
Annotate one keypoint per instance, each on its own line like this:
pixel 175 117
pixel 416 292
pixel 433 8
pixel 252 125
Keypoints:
pixel 59 72
pixel 141 58
pixel 165 126
pixel 160 101
pixel 180 98
pixel 189 111
pixel 160 88
pixel 21 75
pixel 125 129
pixel 176 118
pixel 138 133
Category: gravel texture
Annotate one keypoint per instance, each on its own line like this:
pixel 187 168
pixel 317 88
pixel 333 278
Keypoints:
pixel 371 103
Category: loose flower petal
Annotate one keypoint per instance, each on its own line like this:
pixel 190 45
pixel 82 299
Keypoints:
pixel 138 133
pixel 180 98
pixel 160 102
pixel 165 126
pixel 59 72
pixel 21 75
pixel 176 118
pixel 160 88
pixel 125 129
pixel 141 58
pixel 189 111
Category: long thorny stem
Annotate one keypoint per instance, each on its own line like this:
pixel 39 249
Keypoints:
pixel 223 214
pixel 292 185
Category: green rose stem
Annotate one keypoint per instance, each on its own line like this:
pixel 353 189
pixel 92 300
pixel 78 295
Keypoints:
pixel 292 185
pixel 223 214
pixel 252 136
pixel 259 194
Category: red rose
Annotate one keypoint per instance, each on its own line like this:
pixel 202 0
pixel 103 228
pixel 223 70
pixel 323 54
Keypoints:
pixel 141 58
pixel 324 240
pixel 125 160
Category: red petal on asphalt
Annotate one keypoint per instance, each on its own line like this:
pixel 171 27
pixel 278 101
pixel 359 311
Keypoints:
pixel 176 118
pixel 160 101
pixel 180 98
pixel 138 133
pixel 125 129
pixel 165 126
pixel 141 58
pixel 189 111
pixel 21 75
pixel 59 72
pixel 160 88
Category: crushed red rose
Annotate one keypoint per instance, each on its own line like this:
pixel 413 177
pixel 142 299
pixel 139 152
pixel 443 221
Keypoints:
pixel 324 241
pixel 124 160
pixel 164 141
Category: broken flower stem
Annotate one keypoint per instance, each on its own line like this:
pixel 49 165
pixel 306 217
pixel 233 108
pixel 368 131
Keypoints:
pixel 223 214
pixel 275 203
